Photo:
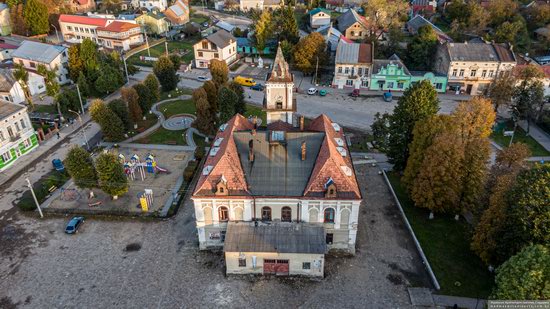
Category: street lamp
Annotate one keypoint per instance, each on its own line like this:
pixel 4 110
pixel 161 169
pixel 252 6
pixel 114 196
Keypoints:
pixel 81 128
pixel 56 33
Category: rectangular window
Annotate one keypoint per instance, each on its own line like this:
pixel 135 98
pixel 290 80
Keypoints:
pixel 484 73
pixel 306 265
pixel 454 72
pixel 360 71
pixel 438 86
pixel 346 70
pixel 32 64
pixel 69 28
pixel 329 238
pixel 200 54
pixel 366 71
pixel 349 82
pixel 23 125
pixel 399 85
pixel 339 70
pixel 27 143
pixel 461 73
pixel 204 45
pixel 390 84
pixel 365 83
pixel 491 73
pixel 6 156
pixel 352 71
pixel 216 55
pixel 2 138
pixel 473 73
pixel 17 128
pixel 242 262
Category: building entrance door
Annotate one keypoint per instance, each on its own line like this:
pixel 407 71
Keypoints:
pixel 469 89
pixel 276 267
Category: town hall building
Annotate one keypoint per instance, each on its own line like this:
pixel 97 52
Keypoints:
pixel 279 196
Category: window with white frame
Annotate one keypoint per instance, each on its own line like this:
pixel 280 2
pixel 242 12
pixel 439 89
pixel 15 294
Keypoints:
pixel 365 83
pixel 461 74
pixel 360 71
pixel 473 73
pixel 455 71
pixel 339 70
pixel 346 70
pixel 349 82
pixel 484 73
pixel 2 138
pixel 6 156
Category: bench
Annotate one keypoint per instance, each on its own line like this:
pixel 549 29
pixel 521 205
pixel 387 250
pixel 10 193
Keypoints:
pixel 95 204
pixel 171 143
pixel 52 188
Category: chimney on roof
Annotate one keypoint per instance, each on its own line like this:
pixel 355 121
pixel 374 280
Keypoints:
pixel 301 123
pixel 304 149
pixel 251 151
pixel 255 124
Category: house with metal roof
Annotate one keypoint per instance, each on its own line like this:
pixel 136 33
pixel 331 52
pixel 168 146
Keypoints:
pixel 332 36
pixel 319 17
pixel 17 136
pixel 10 89
pixel 178 13
pixel 353 65
pixel 220 45
pixel 419 21
pixel 278 195
pixel 472 67
pixel 155 22
pixel 352 25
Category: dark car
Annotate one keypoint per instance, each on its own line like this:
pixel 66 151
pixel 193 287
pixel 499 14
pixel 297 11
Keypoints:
pixel 257 87
pixel 73 225
pixel 354 93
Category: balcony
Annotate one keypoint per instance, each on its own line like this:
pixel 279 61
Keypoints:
pixel 15 138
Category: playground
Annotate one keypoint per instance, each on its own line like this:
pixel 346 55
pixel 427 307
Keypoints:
pixel 153 175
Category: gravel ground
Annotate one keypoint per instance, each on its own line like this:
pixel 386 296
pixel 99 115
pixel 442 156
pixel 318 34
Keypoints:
pixel 152 264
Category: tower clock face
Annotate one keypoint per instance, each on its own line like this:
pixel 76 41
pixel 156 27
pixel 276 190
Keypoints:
pixel 279 98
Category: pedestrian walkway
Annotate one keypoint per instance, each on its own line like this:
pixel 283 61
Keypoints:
pixel 148 146
pixel 537 134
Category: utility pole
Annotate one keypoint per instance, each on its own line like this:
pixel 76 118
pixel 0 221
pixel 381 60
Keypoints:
pixel 126 69
pixel 80 98
pixel 147 41
pixel 316 68
pixel 81 128
pixel 56 34
pixel 34 197
pixel 166 47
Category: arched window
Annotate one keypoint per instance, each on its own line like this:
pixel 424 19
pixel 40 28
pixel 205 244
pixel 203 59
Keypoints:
pixel 223 214
pixel 207 215
pixel 266 214
pixel 344 218
pixel 313 216
pixel 286 214
pixel 238 214
pixel 329 215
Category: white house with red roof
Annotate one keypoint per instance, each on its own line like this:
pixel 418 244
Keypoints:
pixel 106 32
pixel 278 197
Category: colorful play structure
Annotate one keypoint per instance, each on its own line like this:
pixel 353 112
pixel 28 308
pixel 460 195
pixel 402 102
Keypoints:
pixel 135 165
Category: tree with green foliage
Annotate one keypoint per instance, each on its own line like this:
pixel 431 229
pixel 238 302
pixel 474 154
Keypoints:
pixel 240 106
pixel 109 80
pixel 422 48
pixel 152 83
pixel 17 20
pixel 288 49
pixel 80 167
pixel 310 53
pixel 228 100
pixel 111 125
pixel 166 74
pixel 176 60
pixel 120 109
pixel 89 55
pixel 285 24
pixel 525 276
pixel 380 130
pixel 21 75
pixel 205 121
pixel 502 11
pixel 52 86
pixel 219 72
pixel 68 100
pixel 145 98
pixel 76 65
pixel 263 30
pixel 36 17
pixel 131 97
pixel 417 103
pixel 528 97
pixel 466 17
pixel 501 90
pixel 83 85
pixel 384 14
pixel 212 95
pixel 110 172
pixel 514 32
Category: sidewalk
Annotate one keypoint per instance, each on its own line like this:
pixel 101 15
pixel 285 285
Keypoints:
pixel 537 134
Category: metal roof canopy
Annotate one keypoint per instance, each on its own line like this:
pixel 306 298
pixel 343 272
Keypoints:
pixel 280 237
pixel 278 169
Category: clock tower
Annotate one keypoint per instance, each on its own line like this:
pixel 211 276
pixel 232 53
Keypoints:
pixel 279 102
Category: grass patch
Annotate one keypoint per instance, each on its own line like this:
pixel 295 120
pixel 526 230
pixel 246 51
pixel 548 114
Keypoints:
pixel 165 137
pixel 175 93
pixel 520 137
pixel 170 109
pixel 41 187
pixel 446 243
pixel 199 141
pixel 160 50
pixel 253 110
pixel 150 120
pixel 199 19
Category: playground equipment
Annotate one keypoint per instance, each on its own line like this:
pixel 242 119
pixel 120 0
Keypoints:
pixel 152 166
pixel 146 200
pixel 135 165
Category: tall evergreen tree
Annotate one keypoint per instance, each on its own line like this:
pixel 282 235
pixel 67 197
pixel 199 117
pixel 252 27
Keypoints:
pixel 130 96
pixel 263 30
pixel 422 48
pixel 205 121
pixel 110 172
pixel 240 106
pixel 228 100
pixel 111 125
pixel 120 109
pixel 80 167
pixel 219 72
pixel 166 74
pixel 36 17
pixel 212 94
pixel 152 84
pixel 286 25
pixel 145 98
pixel 417 103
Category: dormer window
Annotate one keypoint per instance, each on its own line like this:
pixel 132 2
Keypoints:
pixel 330 189
pixel 221 187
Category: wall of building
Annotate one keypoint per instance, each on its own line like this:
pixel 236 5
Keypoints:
pixel 5 24
pixel 356 32
pixel 320 19
pixel 203 56
pixel 352 79
pixel 61 62
pixel 246 5
pixel 22 141
pixel 296 263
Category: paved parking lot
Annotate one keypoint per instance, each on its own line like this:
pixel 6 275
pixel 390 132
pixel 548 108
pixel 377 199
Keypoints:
pixel 156 264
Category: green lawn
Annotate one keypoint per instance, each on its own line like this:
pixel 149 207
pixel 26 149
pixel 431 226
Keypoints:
pixel 175 93
pixel 150 120
pixel 163 136
pixel 446 243
pixel 520 136
pixel 160 50
pixel 199 19
pixel 253 110
pixel 199 141
pixel 170 109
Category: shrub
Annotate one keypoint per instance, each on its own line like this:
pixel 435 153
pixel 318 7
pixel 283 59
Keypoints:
pixel 190 171
pixel 199 153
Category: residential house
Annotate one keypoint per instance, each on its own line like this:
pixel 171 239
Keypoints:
pixel 17 136
pixel 319 18
pixel 332 37
pixel 6 50
pixel 31 54
pixel 159 5
pixel 155 22
pixel 10 89
pixel 419 21
pixel 5 21
pixel 524 61
pixel 277 199
pixel 438 81
pixel 352 25
pixel 353 65
pixel 246 5
pixel 472 67
pixel 80 5
pixel 246 46
pixel 221 45
pixel 106 32
pixel 178 13
pixel 334 4
pixel 225 26
pixel 425 7
pixel 272 5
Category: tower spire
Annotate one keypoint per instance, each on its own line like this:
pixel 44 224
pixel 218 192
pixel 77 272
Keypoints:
pixel 280 71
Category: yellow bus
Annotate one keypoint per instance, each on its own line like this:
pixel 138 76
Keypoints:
pixel 245 81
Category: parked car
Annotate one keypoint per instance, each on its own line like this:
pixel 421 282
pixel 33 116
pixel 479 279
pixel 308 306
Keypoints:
pixel 258 87
pixel 244 81
pixel 203 78
pixel 388 96
pixel 73 225
pixel 322 92
pixel 205 24
pixel 58 165
pixel 354 93
pixel 312 91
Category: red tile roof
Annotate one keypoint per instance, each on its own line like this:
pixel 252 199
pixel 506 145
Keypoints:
pixel 118 26
pixel 7 46
pixel 83 20
pixel 82 2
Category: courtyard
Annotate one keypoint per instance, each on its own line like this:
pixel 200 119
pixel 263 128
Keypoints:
pixel 157 264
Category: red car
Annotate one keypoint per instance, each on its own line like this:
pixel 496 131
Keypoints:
pixel 354 93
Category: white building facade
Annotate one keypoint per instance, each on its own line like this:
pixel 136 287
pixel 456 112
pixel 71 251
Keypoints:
pixel 17 136
pixel 220 45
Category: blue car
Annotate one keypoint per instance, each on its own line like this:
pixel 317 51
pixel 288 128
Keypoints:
pixel 72 226
pixel 257 87
pixel 58 165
